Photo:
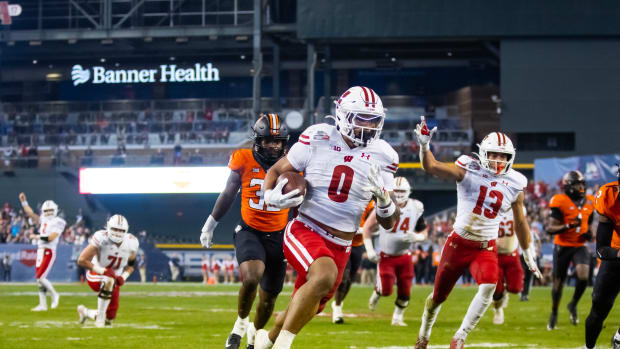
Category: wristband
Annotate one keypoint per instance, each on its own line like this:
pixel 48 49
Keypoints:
pixel 24 203
pixel 210 224
pixel 125 275
pixel 388 211
pixel 98 269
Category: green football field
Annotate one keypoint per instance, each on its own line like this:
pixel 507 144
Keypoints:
pixel 191 315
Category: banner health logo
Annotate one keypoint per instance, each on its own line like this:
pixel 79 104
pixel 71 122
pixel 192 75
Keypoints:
pixel 166 73
pixel 28 257
pixel 79 75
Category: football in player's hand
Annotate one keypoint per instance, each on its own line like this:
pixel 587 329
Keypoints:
pixel 295 181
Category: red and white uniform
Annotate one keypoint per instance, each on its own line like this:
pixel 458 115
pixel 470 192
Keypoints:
pixel 395 259
pixel 229 265
pixel 336 175
pixel 482 200
pixel 46 251
pixel 115 257
pixel 510 269
pixel 216 265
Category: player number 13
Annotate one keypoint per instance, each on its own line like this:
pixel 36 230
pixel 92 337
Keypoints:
pixel 495 206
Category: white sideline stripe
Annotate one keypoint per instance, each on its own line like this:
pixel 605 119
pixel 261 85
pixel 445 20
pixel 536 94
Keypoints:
pixel 472 345
pixel 301 247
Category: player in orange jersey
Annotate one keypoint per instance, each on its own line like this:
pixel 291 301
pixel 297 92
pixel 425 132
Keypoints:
pixel 258 237
pixel 569 220
pixel 355 260
pixel 607 283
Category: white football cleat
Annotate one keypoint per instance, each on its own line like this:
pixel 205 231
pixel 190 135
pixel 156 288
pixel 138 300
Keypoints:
pixel 374 299
pixel 39 308
pixel 337 316
pixel 498 317
pixel 82 313
pixel 262 341
pixel 99 324
pixel 398 322
pixel 55 299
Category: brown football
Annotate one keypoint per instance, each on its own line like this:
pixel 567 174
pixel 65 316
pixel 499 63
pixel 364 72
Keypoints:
pixel 295 181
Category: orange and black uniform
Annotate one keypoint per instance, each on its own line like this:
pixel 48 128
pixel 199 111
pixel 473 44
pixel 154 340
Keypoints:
pixel 259 234
pixel 607 284
pixel 570 244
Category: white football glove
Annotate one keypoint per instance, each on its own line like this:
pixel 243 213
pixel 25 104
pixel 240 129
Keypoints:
pixel 275 198
pixel 207 232
pixel 529 255
pixel 377 187
pixel 370 251
pixel 423 135
pixel 414 237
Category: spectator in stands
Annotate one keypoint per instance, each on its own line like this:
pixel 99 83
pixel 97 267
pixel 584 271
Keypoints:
pixel 87 159
pixel 177 157
pixel 369 270
pixel 33 156
pixel 175 267
pixel 141 264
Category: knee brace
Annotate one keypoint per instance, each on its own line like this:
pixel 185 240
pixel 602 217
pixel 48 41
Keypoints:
pixel 401 302
pixel 42 287
pixel 107 285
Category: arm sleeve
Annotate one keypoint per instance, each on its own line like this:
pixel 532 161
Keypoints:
pixel 604 234
pixel 420 224
pixel 388 180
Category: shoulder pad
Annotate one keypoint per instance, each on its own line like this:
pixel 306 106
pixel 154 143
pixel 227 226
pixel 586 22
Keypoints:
pixel 318 132
pixel 468 163
pixel 389 156
pixel 418 204
pixel 517 179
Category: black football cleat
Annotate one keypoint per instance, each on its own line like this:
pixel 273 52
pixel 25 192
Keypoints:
pixel 615 344
pixel 250 346
pixel 524 298
pixel 572 309
pixel 233 341
pixel 553 321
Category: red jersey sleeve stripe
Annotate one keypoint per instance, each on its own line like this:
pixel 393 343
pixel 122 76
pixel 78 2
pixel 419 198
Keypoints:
pixel 304 137
pixel 460 163
pixel 302 142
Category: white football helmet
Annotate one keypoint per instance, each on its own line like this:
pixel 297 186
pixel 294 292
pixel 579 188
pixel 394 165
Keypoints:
pixel 117 227
pixel 402 189
pixel 496 142
pixel 49 209
pixel 360 109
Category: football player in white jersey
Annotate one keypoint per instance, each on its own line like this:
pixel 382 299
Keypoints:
pixel 109 259
pixel 511 273
pixel 346 166
pixel 486 187
pixel 50 229
pixel 395 262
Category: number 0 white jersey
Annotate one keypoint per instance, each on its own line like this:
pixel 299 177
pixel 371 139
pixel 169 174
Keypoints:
pixel 391 241
pixel 336 175
pixel 483 198
pixel 110 255
pixel 507 241
pixel 50 225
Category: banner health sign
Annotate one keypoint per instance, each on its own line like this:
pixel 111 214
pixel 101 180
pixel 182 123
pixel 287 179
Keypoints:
pixel 597 169
pixel 166 73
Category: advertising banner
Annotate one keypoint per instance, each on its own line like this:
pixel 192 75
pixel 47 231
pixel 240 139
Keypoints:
pixel 597 169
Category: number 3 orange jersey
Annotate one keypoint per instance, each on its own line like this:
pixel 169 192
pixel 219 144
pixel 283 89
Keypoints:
pixel 607 205
pixel 254 210
pixel 570 211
